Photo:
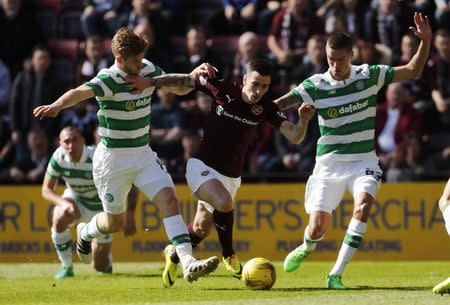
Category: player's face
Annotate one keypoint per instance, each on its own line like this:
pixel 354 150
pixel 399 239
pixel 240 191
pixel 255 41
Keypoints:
pixel 133 64
pixel 72 143
pixel 339 61
pixel 255 86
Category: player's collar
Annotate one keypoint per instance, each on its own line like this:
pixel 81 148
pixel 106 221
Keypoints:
pixel 327 76
pixel 122 73
pixel 83 155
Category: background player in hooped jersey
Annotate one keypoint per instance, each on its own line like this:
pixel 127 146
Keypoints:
pixel 72 162
pixel 214 174
pixel 444 206
pixel 123 157
pixel 345 100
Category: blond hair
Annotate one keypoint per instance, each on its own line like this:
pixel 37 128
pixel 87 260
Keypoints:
pixel 127 43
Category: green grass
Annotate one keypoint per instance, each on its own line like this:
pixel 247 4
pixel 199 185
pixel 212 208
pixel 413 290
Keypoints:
pixel 389 283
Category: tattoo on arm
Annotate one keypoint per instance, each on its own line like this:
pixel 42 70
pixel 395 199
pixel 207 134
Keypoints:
pixel 174 80
pixel 286 101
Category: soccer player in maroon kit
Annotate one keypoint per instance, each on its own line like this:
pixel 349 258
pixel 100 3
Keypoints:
pixel 214 174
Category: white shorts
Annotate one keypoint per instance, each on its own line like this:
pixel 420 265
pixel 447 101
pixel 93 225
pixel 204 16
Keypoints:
pixel 326 186
pixel 116 169
pixel 198 173
pixel 85 215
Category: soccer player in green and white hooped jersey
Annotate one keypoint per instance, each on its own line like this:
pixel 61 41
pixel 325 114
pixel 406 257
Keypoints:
pixel 345 98
pixel 123 157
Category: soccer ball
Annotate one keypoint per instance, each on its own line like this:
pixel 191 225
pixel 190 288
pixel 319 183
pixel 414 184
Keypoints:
pixel 259 274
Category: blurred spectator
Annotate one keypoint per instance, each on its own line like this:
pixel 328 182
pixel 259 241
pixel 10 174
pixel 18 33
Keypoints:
pixel 93 61
pixel 167 126
pixel 141 13
pixel 297 158
pixel 235 17
pixel 175 13
pixel 249 48
pixel 399 128
pixel 31 88
pixel 197 52
pixel 346 16
pixel 314 61
pixel 20 33
pixel 442 14
pixel 372 54
pixel 417 86
pixel 439 75
pixel 291 29
pixel 30 167
pixel 266 15
pixel 5 87
pixel 84 118
pixel 387 23
pixel 158 53
pixel 101 17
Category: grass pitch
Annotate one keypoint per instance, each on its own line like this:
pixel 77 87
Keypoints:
pixel 389 283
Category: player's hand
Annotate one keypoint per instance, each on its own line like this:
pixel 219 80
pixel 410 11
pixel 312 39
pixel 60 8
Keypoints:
pixel 306 112
pixel 109 15
pixel 205 69
pixel 129 228
pixel 423 28
pixel 89 10
pixel 138 83
pixel 45 111
pixel 69 208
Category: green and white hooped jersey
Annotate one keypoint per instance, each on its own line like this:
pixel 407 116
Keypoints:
pixel 346 110
pixel 124 118
pixel 77 176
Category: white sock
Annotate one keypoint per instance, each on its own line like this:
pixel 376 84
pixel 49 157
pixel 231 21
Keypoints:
pixel 179 237
pixel 63 246
pixel 446 214
pixel 353 238
pixel 309 244
pixel 90 230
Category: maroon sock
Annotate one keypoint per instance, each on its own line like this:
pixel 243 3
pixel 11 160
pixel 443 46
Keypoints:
pixel 224 228
pixel 195 240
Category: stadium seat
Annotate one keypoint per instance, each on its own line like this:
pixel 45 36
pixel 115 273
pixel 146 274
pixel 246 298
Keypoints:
pixel 205 4
pixel 64 48
pixel 48 21
pixel 72 4
pixel 178 44
pixel 71 24
pixel 225 45
pixel 65 68
pixel 54 5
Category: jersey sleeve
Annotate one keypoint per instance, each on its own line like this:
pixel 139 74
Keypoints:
pixel 275 116
pixel 207 85
pixel 102 84
pixel 304 92
pixel 385 74
pixel 53 168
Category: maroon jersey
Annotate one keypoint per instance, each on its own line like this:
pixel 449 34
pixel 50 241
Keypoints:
pixel 231 125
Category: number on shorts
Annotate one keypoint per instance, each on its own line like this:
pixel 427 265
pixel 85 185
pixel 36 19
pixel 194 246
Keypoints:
pixel 370 172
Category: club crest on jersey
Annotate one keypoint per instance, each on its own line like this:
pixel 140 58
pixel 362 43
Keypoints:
pixel 257 109
pixel 205 173
pixel 219 110
pixel 359 85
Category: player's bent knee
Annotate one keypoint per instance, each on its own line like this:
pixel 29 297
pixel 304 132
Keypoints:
pixel 224 204
pixel 362 211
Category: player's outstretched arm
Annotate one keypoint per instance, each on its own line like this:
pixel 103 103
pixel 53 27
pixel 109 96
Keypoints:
pixel 68 99
pixel 295 133
pixel 287 101
pixel 415 66
pixel 177 83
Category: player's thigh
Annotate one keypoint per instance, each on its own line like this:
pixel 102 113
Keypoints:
pixel 366 178
pixel 113 176
pixel 153 177
pixel 323 194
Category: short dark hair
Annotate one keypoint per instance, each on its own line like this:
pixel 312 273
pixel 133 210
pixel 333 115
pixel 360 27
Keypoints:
pixel 340 40
pixel 442 32
pixel 262 66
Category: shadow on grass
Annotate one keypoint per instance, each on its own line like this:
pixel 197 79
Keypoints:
pixel 124 274
pixel 359 288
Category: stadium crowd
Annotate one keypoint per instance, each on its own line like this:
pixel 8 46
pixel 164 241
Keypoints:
pixel 49 46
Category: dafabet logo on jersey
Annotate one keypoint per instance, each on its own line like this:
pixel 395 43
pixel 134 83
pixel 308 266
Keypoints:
pixel 347 109
pixel 142 102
